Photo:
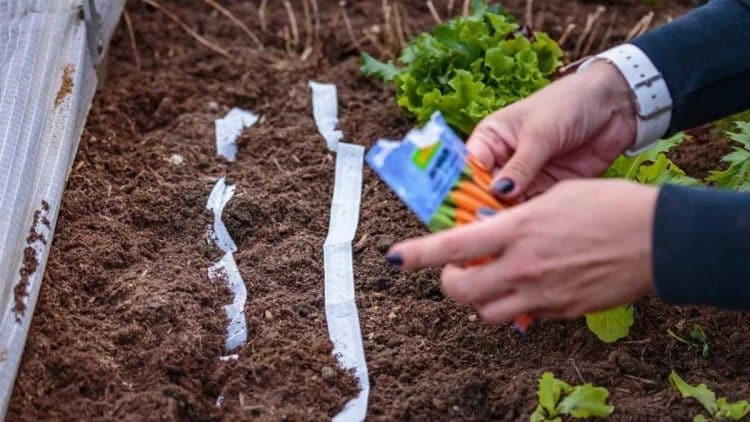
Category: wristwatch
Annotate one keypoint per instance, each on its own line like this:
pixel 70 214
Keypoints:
pixel 652 98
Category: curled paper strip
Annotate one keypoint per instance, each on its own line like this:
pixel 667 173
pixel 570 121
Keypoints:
pixel 217 200
pixel 229 128
pixel 325 113
pixel 341 309
pixel 226 270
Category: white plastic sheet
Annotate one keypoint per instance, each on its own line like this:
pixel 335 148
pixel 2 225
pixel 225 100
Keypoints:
pixel 342 317
pixel 325 112
pixel 229 128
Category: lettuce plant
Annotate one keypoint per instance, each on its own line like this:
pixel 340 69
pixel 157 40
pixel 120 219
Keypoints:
pixel 469 67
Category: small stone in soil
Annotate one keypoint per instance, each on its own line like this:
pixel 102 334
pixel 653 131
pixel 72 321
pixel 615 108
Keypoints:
pixel 268 315
pixel 472 317
pixel 392 316
pixel 327 373
pixel 176 159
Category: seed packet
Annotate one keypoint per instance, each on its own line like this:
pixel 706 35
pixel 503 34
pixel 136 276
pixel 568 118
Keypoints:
pixel 432 172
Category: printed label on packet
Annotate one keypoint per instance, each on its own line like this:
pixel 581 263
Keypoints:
pixel 423 168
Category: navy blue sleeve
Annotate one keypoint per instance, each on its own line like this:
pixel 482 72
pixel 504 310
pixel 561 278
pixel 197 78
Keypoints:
pixel 701 247
pixel 704 57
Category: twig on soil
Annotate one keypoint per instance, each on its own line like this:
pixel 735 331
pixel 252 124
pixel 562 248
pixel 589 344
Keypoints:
pixel 465 9
pixel 288 41
pixel 390 35
pixel 608 34
pixel 348 24
pixel 262 14
pixel 591 19
pixel 226 12
pixel 564 37
pixel 578 371
pixel 131 35
pixel 641 26
pixel 309 35
pixel 449 8
pixel 592 37
pixel 215 48
pixel 639 379
pixel 434 12
pixel 404 14
pixel 399 26
pixel 316 16
pixel 530 12
pixel 292 22
pixel 375 43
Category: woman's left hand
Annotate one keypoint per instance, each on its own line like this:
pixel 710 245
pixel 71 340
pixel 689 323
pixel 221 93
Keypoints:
pixel 583 246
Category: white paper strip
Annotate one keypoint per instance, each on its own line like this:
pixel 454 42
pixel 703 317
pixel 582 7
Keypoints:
pixel 226 270
pixel 341 309
pixel 325 112
pixel 217 200
pixel 229 128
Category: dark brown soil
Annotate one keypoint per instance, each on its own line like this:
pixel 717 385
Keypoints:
pixel 128 325
pixel 30 261
pixel 66 85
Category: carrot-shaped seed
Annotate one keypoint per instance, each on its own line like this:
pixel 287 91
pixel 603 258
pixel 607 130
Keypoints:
pixel 523 322
pixel 477 193
pixel 470 174
pixel 464 217
pixel 464 201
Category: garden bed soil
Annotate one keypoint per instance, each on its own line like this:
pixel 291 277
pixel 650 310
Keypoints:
pixel 128 326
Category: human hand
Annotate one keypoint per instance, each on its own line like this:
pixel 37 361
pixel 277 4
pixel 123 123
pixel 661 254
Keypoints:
pixel 574 128
pixel 583 246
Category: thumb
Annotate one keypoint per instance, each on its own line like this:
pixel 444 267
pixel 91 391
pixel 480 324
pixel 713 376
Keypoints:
pixel 515 177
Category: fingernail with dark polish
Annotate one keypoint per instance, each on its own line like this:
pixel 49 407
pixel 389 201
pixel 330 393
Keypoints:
pixel 485 212
pixel 395 259
pixel 504 186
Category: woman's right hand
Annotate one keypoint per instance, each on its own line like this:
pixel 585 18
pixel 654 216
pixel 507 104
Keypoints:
pixel 573 128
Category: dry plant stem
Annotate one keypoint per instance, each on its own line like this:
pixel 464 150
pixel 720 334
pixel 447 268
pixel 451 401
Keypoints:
pixel 375 43
pixel 434 12
pixel 608 34
pixel 348 24
pixel 465 9
pixel 292 22
pixel 592 37
pixel 226 12
pixel 262 14
pixel 530 12
pixel 641 27
pixel 131 34
pixel 406 21
pixel 215 48
pixel 564 37
pixel 309 31
pixel 288 42
pixel 399 26
pixel 591 19
pixel 449 8
pixel 387 27
pixel 316 15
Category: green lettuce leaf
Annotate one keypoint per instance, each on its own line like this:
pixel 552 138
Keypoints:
pixel 613 324
pixel 734 411
pixel 587 401
pixel 699 392
pixel 373 67
pixel 737 175
pixel 469 67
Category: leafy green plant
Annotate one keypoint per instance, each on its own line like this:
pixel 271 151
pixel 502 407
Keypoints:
pixel 469 67
pixel 652 167
pixel 737 175
pixel 613 324
pixel 558 399
pixel 698 340
pixel 718 409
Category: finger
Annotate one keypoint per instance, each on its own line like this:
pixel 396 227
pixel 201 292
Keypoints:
pixel 478 284
pixel 519 172
pixel 454 246
pixel 489 140
pixel 506 308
